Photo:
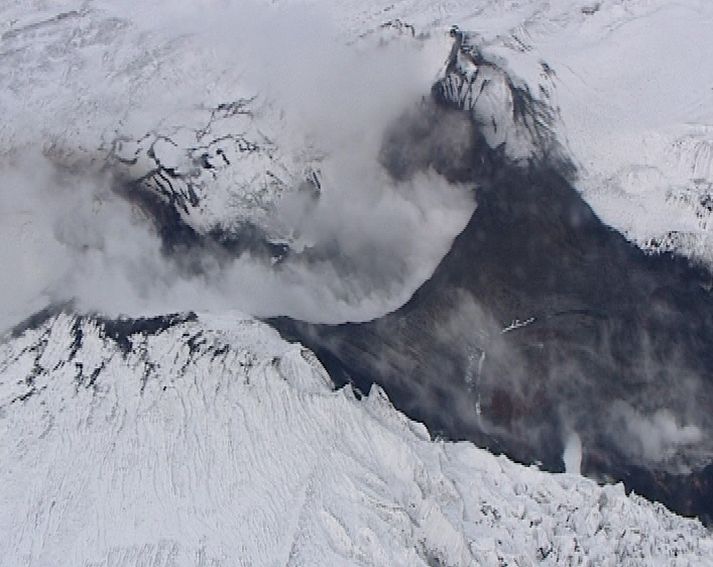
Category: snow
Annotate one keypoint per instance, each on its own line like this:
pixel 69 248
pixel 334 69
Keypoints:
pixel 630 81
pixel 633 90
pixel 214 442
pixel 100 82
pixel 636 101
pixel 218 118
pixel 129 87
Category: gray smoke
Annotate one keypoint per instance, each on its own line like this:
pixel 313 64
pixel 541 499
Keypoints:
pixel 361 249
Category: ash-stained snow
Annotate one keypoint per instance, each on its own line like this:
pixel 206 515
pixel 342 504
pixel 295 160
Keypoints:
pixel 204 105
pixel 632 86
pixel 96 85
pixel 213 112
pixel 629 81
pixel 210 441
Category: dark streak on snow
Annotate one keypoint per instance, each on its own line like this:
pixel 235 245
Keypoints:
pixel 606 321
pixel 121 330
pixel 609 323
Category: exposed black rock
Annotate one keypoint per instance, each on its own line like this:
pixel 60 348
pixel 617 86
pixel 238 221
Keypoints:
pixel 540 321
pixel 119 329
pixel 168 194
pixel 122 329
pixel 184 243
pixel 35 320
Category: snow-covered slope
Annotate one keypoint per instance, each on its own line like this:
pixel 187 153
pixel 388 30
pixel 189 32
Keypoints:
pixel 635 95
pixel 632 87
pixel 211 108
pixel 102 85
pixel 212 113
pixel 209 440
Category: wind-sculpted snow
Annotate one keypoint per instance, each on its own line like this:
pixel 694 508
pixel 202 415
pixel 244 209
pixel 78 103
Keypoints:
pixel 631 89
pixel 208 440
pixel 286 159
pixel 541 324
pixel 217 118
pixel 506 114
pixel 209 128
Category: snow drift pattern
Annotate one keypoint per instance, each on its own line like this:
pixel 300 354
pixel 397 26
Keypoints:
pixel 208 440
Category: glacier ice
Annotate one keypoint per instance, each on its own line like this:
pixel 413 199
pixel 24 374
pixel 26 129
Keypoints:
pixel 208 440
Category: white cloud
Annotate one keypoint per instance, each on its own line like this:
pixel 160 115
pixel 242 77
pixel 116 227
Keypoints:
pixel 373 240
pixel 654 437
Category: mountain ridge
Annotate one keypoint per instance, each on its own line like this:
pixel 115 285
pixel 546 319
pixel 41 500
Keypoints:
pixel 212 441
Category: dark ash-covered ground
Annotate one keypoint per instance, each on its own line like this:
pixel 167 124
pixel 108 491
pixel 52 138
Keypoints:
pixel 539 323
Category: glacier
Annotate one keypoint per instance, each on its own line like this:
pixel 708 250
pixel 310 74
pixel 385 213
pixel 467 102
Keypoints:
pixel 209 440
pixel 147 146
